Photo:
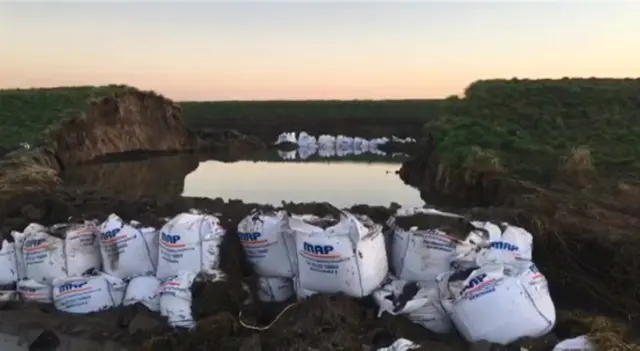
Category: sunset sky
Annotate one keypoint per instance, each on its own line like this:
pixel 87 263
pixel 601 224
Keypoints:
pixel 271 50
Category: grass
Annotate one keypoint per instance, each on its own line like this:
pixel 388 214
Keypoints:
pixel 204 114
pixel 27 114
pixel 528 126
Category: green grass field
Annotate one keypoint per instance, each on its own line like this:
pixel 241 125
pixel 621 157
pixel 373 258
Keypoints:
pixel 529 125
pixel 26 114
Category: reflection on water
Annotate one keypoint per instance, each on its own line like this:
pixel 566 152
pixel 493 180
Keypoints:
pixel 263 178
pixel 161 176
pixel 341 183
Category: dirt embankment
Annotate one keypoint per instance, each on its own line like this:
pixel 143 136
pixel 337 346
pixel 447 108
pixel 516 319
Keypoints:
pixel 124 122
pixel 585 229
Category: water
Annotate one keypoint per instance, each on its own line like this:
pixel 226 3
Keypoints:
pixel 341 182
pixel 262 178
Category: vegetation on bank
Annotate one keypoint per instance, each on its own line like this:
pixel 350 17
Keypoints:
pixel 26 114
pixel 207 113
pixel 528 126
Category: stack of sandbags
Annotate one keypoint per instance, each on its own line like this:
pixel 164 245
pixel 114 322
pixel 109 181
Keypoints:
pixel 476 276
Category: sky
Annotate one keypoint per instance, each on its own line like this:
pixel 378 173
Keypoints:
pixel 304 50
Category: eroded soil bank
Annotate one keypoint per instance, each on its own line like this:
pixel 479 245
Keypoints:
pixel 585 228
pixel 321 323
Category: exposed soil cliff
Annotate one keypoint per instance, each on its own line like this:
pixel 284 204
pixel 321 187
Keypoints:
pixel 124 122
pixel 585 235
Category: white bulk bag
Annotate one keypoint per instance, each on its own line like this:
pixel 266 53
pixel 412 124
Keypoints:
pixel 189 242
pixel 286 137
pixel 145 290
pixel 420 254
pixel 580 343
pixel 301 293
pixel 423 308
pixel 31 290
pixel 348 257
pixel 127 251
pixel 8 295
pixel 401 345
pixel 262 234
pixel 305 139
pixel 18 239
pixel 326 152
pixel 274 289
pixel 8 264
pixel 505 244
pixel 342 151
pixel 175 300
pixel 91 293
pixel 326 141
pixel 500 303
pixel 307 151
pixel 47 257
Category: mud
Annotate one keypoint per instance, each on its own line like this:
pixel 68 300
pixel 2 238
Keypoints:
pixel 458 228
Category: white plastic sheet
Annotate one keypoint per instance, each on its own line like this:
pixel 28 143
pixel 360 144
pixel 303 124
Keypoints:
pixel 401 345
pixel 189 242
pixel 423 307
pixel 499 303
pixel 31 290
pixel 144 290
pixel 175 300
pixel 127 251
pixel 88 294
pixel 274 289
pixel 262 234
pixel 348 257
pixel 580 343
pixel 8 264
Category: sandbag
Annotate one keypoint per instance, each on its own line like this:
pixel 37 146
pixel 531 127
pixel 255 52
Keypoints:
pixel 499 303
pixel 71 252
pixel 175 300
pixel 18 239
pixel 262 234
pixel 189 242
pixel 8 295
pixel 348 257
pixel 580 343
pixel 420 254
pixel 326 141
pixel 145 290
pixel 419 302
pixel 307 151
pixel 127 251
pixel 305 139
pixel 400 345
pixel 91 293
pixel 31 290
pixel 274 289
pixel 301 293
pixel 8 264
pixel 286 137
pixel 506 244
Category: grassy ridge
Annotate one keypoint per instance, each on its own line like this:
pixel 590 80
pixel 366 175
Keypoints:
pixel 26 114
pixel 527 126
pixel 206 114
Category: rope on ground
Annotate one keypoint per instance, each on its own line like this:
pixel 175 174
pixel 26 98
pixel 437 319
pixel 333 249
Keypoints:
pixel 268 326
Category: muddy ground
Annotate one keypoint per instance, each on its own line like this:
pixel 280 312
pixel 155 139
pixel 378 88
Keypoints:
pixel 321 323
